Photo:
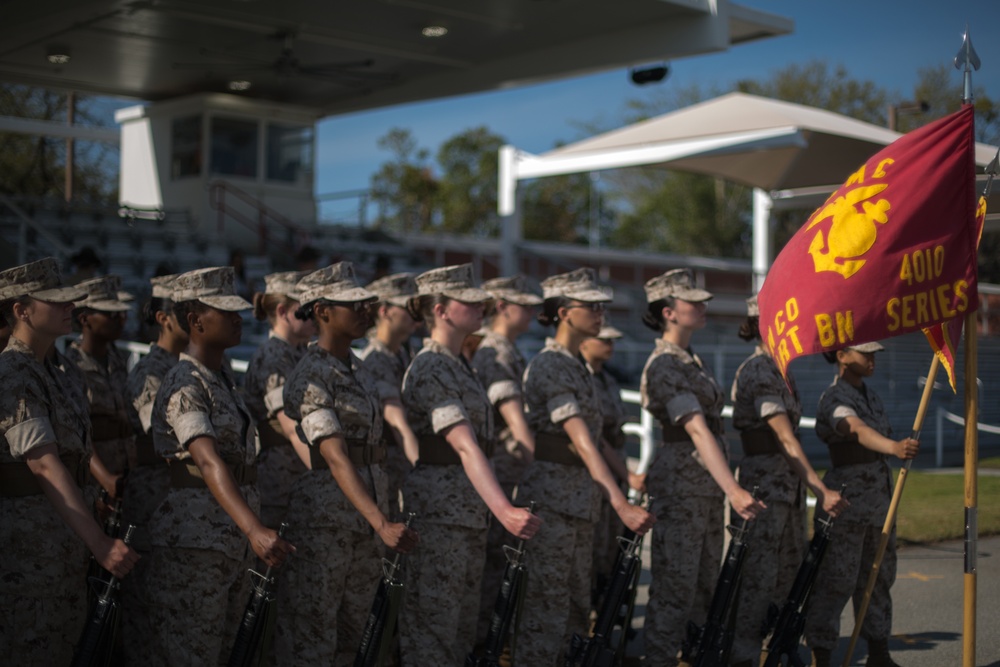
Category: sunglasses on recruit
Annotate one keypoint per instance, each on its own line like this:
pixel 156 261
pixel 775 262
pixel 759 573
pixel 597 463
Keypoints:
pixel 356 306
pixel 596 306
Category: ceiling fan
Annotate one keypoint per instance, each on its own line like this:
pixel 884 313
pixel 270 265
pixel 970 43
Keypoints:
pixel 352 73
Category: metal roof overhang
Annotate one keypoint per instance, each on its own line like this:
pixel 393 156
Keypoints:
pixel 341 56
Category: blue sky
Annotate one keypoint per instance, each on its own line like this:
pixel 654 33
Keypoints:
pixel 886 41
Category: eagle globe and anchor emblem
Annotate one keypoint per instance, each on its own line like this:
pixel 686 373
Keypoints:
pixel 851 233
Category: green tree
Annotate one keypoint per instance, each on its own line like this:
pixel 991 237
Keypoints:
pixel 558 209
pixel 688 214
pixel 35 166
pixel 817 84
pixel 468 192
pixel 405 188
pixel 460 196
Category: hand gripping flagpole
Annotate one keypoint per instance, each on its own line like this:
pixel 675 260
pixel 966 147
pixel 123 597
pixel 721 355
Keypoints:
pixel 890 517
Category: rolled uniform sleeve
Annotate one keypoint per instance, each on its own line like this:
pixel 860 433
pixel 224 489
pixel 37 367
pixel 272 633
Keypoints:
pixel 503 390
pixel 318 415
pixel 682 405
pixel 562 407
pixel 274 400
pixel 29 434
pixel 768 406
pixel 189 413
pixel 447 414
pixel 840 412
pixel 27 423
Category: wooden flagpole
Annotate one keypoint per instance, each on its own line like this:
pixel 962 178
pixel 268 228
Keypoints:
pixel 890 517
pixel 971 488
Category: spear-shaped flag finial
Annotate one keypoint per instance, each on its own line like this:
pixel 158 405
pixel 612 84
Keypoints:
pixel 967 60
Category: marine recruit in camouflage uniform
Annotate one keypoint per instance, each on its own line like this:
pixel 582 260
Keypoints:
pixel 856 532
pixel 44 563
pixel 327 587
pixel 687 539
pixel 197 583
pixel 263 387
pixel 438 619
pixel 558 386
pixel 759 392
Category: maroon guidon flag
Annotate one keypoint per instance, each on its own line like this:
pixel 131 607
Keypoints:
pixel 892 251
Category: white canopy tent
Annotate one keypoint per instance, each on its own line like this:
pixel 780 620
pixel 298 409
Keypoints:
pixel 784 151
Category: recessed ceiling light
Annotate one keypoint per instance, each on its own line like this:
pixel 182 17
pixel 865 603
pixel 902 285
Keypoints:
pixel 239 85
pixel 434 31
pixel 58 57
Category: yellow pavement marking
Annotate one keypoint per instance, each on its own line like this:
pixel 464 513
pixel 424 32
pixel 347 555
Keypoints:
pixel 918 576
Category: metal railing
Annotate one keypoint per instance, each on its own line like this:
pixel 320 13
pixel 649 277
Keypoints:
pixel 293 236
pixel 24 222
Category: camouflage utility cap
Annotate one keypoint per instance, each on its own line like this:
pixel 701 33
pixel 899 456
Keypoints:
pixel 677 284
pixel 513 289
pixel 164 286
pixel 609 332
pixel 102 294
pixel 213 287
pixel 454 282
pixel 866 347
pixel 753 310
pixel 396 289
pixel 285 283
pixel 39 280
pixel 579 285
pixel 334 283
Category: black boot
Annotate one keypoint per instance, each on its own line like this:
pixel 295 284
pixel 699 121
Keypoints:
pixel 878 654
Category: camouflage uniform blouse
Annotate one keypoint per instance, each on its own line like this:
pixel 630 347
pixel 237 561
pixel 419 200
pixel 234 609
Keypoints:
pixel 144 382
pixel 500 367
pixel 387 368
pixel 557 386
pixel 327 397
pixel 194 401
pixel 439 391
pixel 264 382
pixel 869 485
pixel 105 383
pixel 759 392
pixel 676 384
pixel 612 409
pixel 39 405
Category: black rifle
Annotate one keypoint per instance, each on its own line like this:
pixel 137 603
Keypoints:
pixel 376 640
pixel 710 644
pixel 97 640
pixel 257 626
pixel 510 598
pixel 785 626
pixel 113 522
pixel 598 650
pixel 97 576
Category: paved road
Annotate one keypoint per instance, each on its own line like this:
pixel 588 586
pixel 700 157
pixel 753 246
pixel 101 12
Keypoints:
pixel 928 602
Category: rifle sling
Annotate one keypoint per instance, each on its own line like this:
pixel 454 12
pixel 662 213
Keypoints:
pixel 184 474
pixel 359 452
pixel 17 480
